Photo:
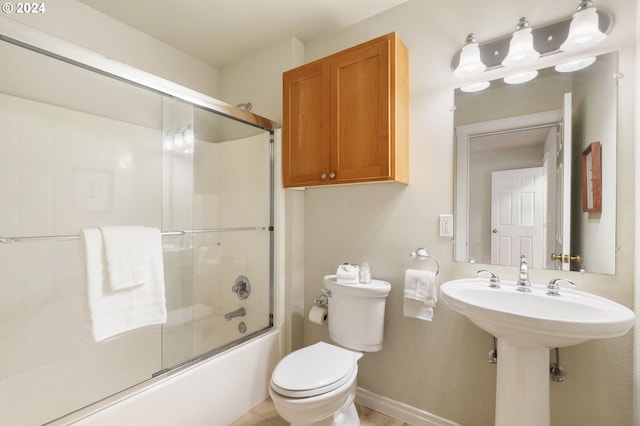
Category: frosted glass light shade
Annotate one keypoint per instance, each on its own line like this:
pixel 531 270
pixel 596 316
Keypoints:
pixel 476 87
pixel 520 78
pixel 521 51
pixel 470 62
pixel 583 31
pixel 575 65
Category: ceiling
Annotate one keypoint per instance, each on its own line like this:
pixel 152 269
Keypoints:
pixel 221 31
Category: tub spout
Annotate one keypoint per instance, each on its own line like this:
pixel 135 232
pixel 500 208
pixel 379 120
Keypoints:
pixel 237 313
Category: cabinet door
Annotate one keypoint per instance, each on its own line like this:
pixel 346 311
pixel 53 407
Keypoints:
pixel 360 110
pixel 305 132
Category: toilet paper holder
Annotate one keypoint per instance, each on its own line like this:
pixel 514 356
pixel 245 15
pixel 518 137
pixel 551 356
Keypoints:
pixel 323 300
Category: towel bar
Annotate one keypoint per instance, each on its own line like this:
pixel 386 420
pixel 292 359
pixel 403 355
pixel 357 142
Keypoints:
pixel 12 240
pixel 423 254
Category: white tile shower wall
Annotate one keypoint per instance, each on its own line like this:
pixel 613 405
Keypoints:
pixel 231 182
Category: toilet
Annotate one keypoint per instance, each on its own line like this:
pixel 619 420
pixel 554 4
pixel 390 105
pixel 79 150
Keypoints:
pixel 317 384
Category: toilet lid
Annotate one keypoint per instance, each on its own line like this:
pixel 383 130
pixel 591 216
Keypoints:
pixel 314 370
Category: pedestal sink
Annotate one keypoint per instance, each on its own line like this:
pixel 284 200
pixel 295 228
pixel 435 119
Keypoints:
pixel 527 325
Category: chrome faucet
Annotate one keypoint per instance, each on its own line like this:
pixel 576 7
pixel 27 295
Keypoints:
pixel 523 278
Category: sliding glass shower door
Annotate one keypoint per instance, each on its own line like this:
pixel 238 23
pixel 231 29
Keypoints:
pixel 80 149
pixel 217 186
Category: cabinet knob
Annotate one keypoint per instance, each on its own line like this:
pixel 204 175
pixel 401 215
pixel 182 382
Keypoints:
pixel 332 175
pixel 323 176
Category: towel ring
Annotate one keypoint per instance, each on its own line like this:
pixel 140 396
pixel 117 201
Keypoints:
pixel 423 254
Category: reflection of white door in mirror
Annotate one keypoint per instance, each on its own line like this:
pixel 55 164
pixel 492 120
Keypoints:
pixel 512 143
pixel 517 216
pixel 563 230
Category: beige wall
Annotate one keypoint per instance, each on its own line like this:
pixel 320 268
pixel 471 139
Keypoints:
pixel 79 24
pixel 441 366
pixel 257 78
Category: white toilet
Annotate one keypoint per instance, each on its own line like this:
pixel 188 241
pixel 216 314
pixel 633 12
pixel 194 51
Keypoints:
pixel 318 382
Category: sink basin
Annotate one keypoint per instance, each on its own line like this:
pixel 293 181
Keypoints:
pixel 535 319
pixel 527 325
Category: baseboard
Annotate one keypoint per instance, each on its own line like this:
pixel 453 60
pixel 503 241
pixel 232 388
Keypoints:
pixel 399 410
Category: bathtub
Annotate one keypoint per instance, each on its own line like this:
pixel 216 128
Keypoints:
pixel 211 393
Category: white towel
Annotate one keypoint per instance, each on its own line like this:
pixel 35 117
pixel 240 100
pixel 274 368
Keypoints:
pixel 128 263
pixel 348 274
pixel 420 294
pixel 119 311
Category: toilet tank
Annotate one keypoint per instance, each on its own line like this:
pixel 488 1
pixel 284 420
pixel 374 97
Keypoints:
pixel 356 313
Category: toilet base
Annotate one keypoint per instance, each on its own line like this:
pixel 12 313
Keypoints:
pixel 335 408
pixel 347 417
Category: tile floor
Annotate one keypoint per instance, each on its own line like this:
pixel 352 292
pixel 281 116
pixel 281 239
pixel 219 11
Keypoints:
pixel 266 415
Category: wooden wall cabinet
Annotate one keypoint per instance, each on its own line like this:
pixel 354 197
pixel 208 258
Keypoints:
pixel 346 117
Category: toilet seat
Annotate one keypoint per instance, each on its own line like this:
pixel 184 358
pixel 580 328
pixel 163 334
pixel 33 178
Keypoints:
pixel 314 370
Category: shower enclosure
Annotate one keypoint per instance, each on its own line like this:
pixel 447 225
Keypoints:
pixel 82 147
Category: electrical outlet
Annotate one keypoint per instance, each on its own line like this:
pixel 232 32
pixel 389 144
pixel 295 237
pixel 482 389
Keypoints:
pixel 446 225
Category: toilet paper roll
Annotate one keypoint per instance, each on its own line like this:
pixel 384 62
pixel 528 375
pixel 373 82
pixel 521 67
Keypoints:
pixel 318 315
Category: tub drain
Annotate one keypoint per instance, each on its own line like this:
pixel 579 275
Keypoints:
pixel 242 327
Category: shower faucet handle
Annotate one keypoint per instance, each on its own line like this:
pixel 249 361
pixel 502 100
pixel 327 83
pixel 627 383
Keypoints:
pixel 242 287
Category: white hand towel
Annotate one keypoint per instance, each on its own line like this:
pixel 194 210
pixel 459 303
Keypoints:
pixel 420 294
pixel 348 274
pixel 115 312
pixel 128 263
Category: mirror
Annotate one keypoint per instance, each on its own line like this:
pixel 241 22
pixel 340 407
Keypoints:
pixel 520 154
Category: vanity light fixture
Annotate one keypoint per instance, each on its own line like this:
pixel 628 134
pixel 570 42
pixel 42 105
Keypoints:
pixel 583 31
pixel 580 32
pixel 521 50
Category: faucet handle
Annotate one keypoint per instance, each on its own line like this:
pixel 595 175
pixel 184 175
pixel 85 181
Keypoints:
pixel 494 279
pixel 554 286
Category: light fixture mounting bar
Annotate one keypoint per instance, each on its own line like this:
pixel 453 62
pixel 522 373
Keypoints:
pixel 546 40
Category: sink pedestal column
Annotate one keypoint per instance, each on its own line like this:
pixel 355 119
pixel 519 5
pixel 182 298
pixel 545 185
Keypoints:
pixel 522 389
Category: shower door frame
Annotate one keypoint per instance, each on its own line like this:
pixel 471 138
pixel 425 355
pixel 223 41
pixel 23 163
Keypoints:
pixel 35 40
